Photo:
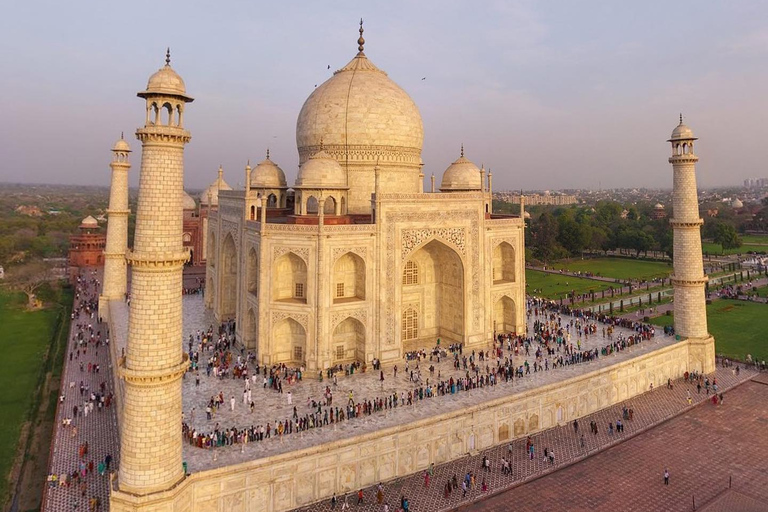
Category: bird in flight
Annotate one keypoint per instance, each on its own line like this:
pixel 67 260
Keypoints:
pixel 424 78
pixel 329 66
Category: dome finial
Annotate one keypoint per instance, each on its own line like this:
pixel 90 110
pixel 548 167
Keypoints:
pixel 267 153
pixel 462 149
pixel 122 135
pixel 168 56
pixel 681 118
pixel 321 143
pixel 360 40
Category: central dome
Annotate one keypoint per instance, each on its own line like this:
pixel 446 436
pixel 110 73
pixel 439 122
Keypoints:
pixel 358 109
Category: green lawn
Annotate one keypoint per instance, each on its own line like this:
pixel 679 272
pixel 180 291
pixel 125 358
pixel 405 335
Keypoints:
pixel 555 286
pixel 739 327
pixel 713 248
pixel 24 339
pixel 754 239
pixel 618 268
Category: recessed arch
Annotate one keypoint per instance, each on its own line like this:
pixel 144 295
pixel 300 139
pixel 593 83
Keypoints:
pixel 289 274
pixel 228 277
pixel 503 263
pixel 289 342
pixel 504 315
pixel 437 297
pixel 212 259
pixel 349 340
pixel 312 205
pixel 253 271
pixel 349 278
pixel 251 332
pixel 329 206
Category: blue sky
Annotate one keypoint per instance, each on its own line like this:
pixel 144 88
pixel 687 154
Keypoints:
pixel 549 95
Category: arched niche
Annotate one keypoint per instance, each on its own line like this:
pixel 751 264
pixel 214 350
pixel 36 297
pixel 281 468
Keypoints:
pixel 289 279
pixel 349 278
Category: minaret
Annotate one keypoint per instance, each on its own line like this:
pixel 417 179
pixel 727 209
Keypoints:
pixel 688 277
pixel 115 268
pixel 150 440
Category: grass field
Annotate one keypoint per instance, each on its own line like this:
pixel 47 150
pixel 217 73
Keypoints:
pixel 618 268
pixel 555 286
pixel 739 327
pixel 24 339
pixel 754 239
pixel 713 248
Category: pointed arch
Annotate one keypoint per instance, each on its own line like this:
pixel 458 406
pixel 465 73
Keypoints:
pixel 349 278
pixel 312 205
pixel 349 340
pixel 504 315
pixel 329 206
pixel 289 279
pixel 437 295
pixel 503 263
pixel 251 330
pixel 253 271
pixel 228 269
pixel 289 342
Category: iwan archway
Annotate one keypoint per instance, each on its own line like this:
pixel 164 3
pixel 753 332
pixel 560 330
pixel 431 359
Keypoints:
pixel 432 297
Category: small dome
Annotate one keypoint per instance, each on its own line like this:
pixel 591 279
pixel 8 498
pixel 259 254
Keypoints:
pixel 121 146
pixel 321 171
pixel 213 190
pixel 736 203
pixel 166 81
pixel 658 206
pixel 89 222
pixel 462 175
pixel 682 132
pixel 267 174
pixel 188 203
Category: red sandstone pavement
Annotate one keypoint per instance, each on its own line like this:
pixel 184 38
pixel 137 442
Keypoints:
pixel 702 449
pixel 99 428
pixel 610 486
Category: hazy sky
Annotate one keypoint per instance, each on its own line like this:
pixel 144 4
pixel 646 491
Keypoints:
pixel 555 94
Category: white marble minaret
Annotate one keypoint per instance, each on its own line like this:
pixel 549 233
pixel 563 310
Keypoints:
pixel 150 436
pixel 688 275
pixel 115 267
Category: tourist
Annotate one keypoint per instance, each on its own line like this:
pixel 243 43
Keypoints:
pixel 666 476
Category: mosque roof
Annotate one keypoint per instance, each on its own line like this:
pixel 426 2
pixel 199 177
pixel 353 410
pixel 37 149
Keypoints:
pixel 461 175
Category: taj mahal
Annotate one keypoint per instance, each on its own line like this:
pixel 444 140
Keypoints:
pixel 356 263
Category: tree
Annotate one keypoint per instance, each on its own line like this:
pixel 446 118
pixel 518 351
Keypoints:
pixel 28 278
pixel 727 237
pixel 545 237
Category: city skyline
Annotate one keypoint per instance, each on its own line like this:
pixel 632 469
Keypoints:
pixel 597 87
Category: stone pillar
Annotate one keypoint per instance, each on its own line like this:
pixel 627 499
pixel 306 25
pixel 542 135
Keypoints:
pixel 154 363
pixel 115 267
pixel 688 277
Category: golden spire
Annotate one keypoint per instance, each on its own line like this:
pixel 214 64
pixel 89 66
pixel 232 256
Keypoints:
pixel 360 40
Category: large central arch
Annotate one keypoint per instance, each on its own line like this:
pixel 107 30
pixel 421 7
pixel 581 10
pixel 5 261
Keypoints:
pixel 432 297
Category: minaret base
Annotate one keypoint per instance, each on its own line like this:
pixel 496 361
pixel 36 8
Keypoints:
pixel 701 354
pixel 176 499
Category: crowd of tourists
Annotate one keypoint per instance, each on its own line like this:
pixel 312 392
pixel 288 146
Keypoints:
pixel 555 342
pixel 83 348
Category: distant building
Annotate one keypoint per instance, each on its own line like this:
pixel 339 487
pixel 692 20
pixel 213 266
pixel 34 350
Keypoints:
pixel 86 249
pixel 658 212
pixel 30 211
pixel 546 199
pixel 756 182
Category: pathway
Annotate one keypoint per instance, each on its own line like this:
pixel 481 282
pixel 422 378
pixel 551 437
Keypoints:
pixel 99 428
